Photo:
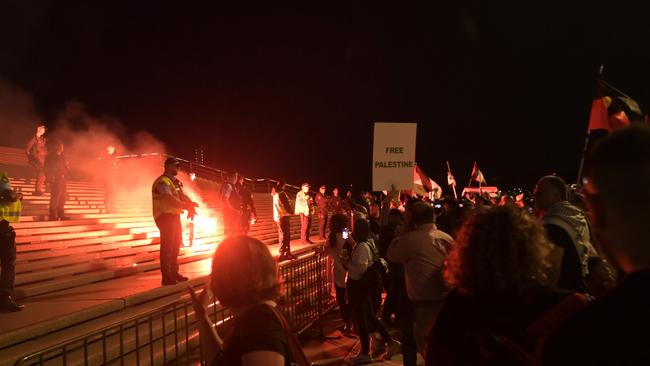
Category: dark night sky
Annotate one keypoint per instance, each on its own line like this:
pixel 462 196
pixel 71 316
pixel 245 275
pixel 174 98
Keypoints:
pixel 294 92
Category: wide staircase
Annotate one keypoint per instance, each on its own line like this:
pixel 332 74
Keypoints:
pixel 94 279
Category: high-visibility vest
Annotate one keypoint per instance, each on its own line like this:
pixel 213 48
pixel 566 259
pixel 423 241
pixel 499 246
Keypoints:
pixel 9 211
pixel 160 205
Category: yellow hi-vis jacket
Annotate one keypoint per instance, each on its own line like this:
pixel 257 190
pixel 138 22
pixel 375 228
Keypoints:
pixel 9 211
pixel 160 206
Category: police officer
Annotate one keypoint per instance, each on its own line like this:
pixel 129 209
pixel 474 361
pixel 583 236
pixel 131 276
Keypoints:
pixel 10 207
pixel 322 201
pixel 169 201
pixel 336 204
pixel 56 168
pixel 36 153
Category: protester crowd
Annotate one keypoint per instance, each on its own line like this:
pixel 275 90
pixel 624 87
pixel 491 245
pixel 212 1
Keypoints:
pixel 560 277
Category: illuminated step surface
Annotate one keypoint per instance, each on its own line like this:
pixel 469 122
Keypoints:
pixel 97 268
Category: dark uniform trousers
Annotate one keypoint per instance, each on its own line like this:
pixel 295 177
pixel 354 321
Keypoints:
pixel 322 223
pixel 7 258
pixel 58 196
pixel 284 234
pixel 171 238
pixel 245 222
pixel 40 175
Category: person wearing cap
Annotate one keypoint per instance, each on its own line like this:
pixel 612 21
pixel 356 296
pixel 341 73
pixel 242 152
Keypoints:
pixel 302 209
pixel 169 201
pixel 10 207
pixel 323 208
pixel 282 217
pixel 36 153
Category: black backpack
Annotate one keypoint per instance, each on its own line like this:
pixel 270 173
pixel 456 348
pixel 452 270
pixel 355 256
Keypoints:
pixel 376 276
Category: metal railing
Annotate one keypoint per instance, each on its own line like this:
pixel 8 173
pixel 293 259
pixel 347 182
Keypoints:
pixel 261 185
pixel 169 335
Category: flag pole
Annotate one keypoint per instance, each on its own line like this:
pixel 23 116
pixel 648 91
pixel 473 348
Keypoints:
pixel 585 148
pixel 470 176
pixel 582 160
pixel 453 185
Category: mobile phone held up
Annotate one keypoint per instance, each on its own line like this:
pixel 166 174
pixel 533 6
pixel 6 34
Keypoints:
pixel 346 233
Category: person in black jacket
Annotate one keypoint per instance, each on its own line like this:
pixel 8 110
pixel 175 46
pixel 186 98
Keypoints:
pixel 56 169
pixel 322 201
pixel 36 152
pixel 248 211
pixel 244 278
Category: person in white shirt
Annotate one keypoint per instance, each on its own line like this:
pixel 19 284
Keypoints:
pixel 422 251
pixel 360 295
pixel 282 216
pixel 302 209
pixel 339 248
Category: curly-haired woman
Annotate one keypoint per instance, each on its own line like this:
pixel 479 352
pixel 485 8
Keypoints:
pixel 501 276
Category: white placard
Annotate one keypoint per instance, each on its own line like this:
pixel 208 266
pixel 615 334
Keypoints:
pixel 393 157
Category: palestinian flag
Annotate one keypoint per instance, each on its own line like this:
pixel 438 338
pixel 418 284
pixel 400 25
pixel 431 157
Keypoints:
pixel 425 186
pixel 477 175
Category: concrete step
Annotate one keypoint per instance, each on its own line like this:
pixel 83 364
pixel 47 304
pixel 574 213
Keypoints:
pixel 25 250
pixel 81 227
pixel 78 311
pixel 80 221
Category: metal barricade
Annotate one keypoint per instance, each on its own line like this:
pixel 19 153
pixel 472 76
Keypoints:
pixel 169 335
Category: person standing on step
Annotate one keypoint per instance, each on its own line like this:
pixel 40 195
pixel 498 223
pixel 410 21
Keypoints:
pixel 56 169
pixel 169 201
pixel 36 152
pixel 323 208
pixel 230 205
pixel 249 213
pixel 302 209
pixel 110 167
pixel 10 207
pixel 282 216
